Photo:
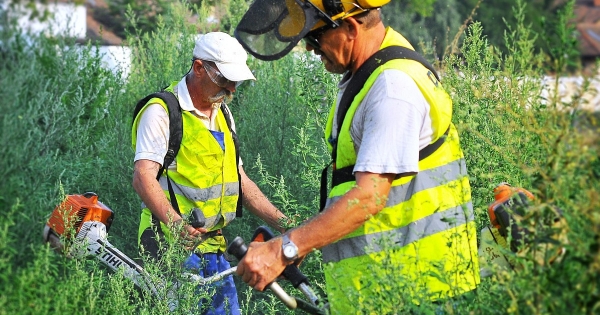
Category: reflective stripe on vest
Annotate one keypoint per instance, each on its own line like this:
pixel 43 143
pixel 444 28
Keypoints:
pixel 203 194
pixel 416 230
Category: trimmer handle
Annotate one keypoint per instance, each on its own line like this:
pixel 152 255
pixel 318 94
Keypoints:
pixel 291 272
pixel 238 249
pixel 197 219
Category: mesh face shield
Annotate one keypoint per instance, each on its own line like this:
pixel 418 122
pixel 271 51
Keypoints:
pixel 271 28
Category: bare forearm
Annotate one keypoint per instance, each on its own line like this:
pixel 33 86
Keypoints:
pixel 264 261
pixel 348 213
pixel 345 216
pixel 149 190
pixel 258 204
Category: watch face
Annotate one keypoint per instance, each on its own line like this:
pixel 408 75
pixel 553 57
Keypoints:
pixel 289 251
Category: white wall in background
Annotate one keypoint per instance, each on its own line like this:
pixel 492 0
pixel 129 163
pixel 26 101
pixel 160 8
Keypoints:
pixel 69 20
pixel 65 19
pixel 116 58
pixel 570 87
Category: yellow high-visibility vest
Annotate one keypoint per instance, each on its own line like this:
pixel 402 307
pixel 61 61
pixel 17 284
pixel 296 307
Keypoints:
pixel 423 244
pixel 206 177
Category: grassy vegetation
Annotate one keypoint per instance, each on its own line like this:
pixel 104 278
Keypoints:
pixel 66 121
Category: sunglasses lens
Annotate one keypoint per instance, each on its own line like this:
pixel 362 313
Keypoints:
pixel 312 41
pixel 313 37
pixel 221 80
pixel 217 77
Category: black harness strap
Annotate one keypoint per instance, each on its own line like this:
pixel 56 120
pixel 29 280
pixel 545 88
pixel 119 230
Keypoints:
pixel 344 174
pixel 354 86
pixel 175 124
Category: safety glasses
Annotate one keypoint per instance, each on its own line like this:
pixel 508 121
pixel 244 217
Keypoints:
pixel 217 77
pixel 313 37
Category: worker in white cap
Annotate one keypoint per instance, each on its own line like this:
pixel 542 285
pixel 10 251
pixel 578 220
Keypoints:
pixel 206 176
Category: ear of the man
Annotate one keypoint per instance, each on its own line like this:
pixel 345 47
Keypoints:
pixel 353 25
pixel 197 66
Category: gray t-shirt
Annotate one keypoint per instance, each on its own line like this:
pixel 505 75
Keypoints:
pixel 391 125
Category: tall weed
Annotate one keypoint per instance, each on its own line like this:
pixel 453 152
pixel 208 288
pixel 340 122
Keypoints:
pixel 66 128
pixel 510 134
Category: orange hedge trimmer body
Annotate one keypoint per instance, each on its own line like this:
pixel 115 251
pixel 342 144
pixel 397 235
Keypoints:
pixel 77 209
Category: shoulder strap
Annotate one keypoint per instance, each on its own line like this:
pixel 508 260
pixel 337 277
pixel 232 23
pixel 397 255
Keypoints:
pixel 175 124
pixel 175 133
pixel 236 144
pixel 362 74
pixel 354 86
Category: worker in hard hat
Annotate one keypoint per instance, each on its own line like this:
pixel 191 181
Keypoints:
pixel 398 222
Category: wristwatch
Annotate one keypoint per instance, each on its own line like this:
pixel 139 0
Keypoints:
pixel 289 249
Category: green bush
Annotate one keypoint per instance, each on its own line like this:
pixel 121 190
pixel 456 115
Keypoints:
pixel 66 125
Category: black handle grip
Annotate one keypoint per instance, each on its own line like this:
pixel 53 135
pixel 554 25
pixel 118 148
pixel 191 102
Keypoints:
pixel 197 219
pixel 294 275
pixel 291 272
pixel 89 194
pixel 237 248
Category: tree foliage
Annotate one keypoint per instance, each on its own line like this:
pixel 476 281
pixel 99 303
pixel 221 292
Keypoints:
pixel 430 26
pixel 541 16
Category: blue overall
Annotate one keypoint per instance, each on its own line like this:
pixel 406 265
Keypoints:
pixel 225 300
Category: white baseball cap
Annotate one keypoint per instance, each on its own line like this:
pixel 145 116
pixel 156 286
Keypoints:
pixel 226 52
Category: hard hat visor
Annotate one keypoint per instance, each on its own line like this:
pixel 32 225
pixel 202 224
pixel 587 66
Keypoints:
pixel 271 28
